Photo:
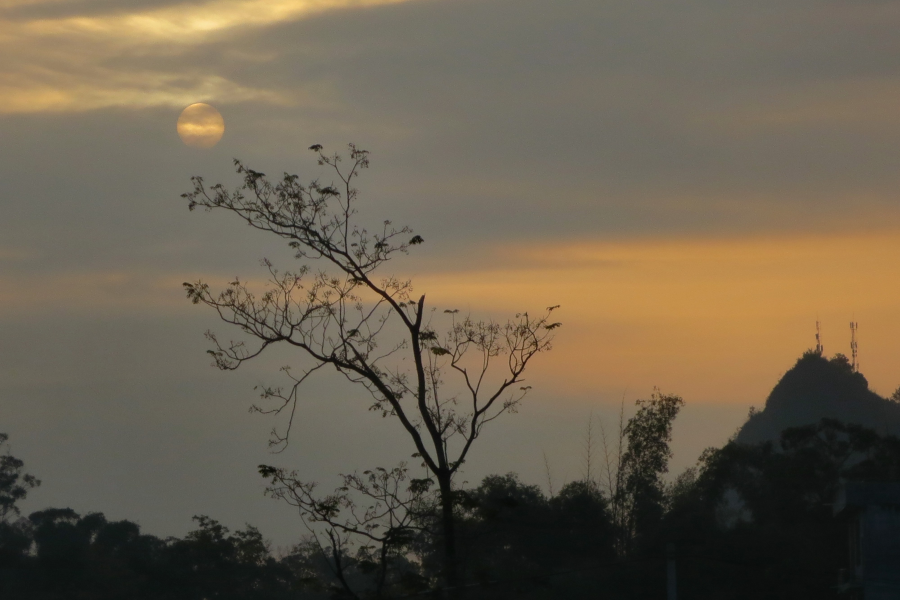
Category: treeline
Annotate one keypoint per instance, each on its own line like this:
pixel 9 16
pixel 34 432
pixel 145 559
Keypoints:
pixel 747 522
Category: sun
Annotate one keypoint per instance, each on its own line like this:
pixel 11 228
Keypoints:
pixel 200 126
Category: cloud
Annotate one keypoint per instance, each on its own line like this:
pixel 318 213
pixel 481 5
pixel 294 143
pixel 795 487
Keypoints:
pixel 14 254
pixel 83 293
pixel 610 117
pixel 490 119
pixel 57 59
pixel 132 90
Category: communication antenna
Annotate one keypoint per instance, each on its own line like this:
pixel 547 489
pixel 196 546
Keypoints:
pixel 854 363
pixel 819 348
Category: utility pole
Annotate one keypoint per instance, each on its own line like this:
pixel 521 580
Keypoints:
pixel 855 362
pixel 671 586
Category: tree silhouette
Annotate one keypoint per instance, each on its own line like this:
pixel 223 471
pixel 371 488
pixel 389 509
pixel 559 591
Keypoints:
pixel 15 537
pixel 386 511
pixel 513 530
pixel 368 326
pixel 14 484
pixel 634 475
pixel 757 520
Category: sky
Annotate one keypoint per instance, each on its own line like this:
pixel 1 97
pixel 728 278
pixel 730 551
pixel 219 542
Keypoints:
pixel 696 183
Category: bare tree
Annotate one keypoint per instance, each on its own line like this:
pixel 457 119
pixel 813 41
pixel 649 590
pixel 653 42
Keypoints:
pixel 548 473
pixel 385 509
pixel 588 451
pixel 367 326
pixel 613 476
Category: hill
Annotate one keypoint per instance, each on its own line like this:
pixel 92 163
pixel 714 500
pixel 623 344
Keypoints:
pixel 815 388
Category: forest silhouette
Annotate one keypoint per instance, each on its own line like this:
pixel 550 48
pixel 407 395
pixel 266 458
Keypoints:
pixel 751 520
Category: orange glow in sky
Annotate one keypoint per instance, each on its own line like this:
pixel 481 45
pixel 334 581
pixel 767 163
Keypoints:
pixel 715 320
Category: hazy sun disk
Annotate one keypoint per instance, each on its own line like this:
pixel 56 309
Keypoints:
pixel 200 126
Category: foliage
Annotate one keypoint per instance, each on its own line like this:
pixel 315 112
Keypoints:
pixel 635 468
pixel 516 540
pixel 757 520
pixel 647 454
pixel 88 556
pixel 14 484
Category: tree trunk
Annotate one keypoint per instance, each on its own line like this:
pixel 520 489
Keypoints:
pixel 448 530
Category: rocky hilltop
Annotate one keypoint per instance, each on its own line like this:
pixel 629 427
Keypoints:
pixel 815 388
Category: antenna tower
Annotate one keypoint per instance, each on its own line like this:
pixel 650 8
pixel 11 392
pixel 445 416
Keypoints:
pixel 819 349
pixel 854 361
